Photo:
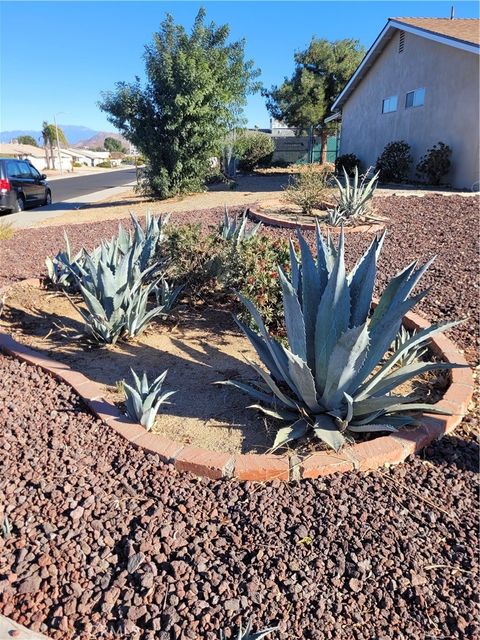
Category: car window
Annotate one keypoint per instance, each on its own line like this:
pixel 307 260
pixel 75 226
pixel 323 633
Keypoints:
pixel 25 170
pixel 14 169
pixel 34 172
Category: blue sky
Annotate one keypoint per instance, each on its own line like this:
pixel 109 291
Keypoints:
pixel 63 54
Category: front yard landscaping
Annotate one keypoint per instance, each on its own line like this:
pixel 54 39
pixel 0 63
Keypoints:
pixel 101 538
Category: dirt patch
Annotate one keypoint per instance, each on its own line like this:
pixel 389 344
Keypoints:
pixel 198 346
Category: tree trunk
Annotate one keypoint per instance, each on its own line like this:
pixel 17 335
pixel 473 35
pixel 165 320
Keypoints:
pixel 323 141
pixel 47 157
pixel 52 155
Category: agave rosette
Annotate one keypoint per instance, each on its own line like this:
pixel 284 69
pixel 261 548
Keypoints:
pixel 235 230
pixel 143 399
pixel 336 377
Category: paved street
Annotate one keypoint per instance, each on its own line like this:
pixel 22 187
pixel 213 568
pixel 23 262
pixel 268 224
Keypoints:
pixel 67 188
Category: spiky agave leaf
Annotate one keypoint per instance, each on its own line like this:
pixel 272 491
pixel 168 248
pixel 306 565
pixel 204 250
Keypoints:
pixel 354 197
pixel 235 231
pixel 334 373
pixel 247 634
pixel 143 400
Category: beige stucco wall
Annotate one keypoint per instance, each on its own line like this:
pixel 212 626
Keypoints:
pixel 450 114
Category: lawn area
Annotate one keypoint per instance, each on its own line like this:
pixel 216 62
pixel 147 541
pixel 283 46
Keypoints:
pixel 108 541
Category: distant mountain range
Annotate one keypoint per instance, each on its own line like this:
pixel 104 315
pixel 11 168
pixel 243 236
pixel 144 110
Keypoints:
pixel 77 136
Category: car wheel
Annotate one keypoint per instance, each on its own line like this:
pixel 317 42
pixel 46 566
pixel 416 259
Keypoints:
pixel 48 198
pixel 19 204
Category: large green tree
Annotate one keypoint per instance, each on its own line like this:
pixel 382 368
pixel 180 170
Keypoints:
pixel 320 74
pixel 49 135
pixel 27 140
pixel 112 144
pixel 196 86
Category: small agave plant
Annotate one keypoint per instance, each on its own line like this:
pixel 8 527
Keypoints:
pixel 143 400
pixel 415 353
pixel 354 198
pixel 63 269
pixel 235 230
pixel 247 634
pixel 334 380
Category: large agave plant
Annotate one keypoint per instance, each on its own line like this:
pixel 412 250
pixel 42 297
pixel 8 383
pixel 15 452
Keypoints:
pixel 247 634
pixel 235 230
pixel 334 378
pixel 143 399
pixel 354 197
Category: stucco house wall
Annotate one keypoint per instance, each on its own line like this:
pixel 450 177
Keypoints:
pixel 450 77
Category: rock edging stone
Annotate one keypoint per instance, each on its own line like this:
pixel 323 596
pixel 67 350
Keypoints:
pixel 385 450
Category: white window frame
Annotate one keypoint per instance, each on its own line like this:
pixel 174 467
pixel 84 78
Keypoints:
pixel 415 92
pixel 391 101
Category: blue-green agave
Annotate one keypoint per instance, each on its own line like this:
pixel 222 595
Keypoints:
pixel 336 378
pixel 143 399
pixel 354 198
pixel 64 268
pixel 116 298
pixel 235 230
pixel 247 634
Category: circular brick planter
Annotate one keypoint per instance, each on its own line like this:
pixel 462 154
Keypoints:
pixel 256 214
pixel 385 450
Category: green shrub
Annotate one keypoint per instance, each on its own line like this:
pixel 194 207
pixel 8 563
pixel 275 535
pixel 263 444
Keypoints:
pixel 77 165
pixel 106 164
pixel 337 378
pixel 253 272
pixel 435 163
pixel 308 188
pixel 394 163
pixel 253 149
pixel 347 161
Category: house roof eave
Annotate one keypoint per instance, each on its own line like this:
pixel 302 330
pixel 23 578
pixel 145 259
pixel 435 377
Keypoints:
pixel 377 47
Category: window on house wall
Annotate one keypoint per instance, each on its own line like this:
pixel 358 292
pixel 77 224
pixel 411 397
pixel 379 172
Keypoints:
pixel 389 104
pixel 401 42
pixel 415 98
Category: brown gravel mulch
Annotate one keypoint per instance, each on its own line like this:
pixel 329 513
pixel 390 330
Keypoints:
pixel 108 542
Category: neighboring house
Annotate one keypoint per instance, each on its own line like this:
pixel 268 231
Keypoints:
pixel 419 82
pixel 116 158
pixel 36 155
pixel 87 157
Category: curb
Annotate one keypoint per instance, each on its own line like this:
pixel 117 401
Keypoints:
pixel 273 221
pixel 385 450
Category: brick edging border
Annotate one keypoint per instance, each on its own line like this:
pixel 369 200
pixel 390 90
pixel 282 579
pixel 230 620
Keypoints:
pixel 273 221
pixel 364 456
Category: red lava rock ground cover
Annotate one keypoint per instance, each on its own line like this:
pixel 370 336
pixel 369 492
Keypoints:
pixel 109 542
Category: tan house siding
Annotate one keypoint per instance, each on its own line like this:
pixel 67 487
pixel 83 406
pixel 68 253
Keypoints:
pixel 450 114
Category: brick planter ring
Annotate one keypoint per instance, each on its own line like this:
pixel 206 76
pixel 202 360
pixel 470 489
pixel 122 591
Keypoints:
pixel 272 221
pixel 385 450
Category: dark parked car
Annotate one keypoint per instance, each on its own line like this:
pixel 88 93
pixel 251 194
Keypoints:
pixel 22 186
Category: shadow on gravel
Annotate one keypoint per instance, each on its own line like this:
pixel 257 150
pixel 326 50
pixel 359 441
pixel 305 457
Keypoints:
pixel 454 451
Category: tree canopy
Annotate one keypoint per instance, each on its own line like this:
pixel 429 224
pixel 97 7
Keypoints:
pixel 49 135
pixel 27 140
pixel 112 144
pixel 195 90
pixel 321 72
